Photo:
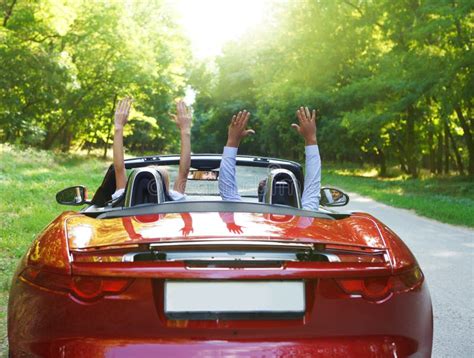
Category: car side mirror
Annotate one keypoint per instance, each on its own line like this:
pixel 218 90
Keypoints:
pixel 333 197
pixel 74 195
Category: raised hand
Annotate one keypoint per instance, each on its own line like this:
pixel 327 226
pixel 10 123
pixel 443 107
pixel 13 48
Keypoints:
pixel 121 118
pixel 238 129
pixel 183 119
pixel 307 125
pixel 122 112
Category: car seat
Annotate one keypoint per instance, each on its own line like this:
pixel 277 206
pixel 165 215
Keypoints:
pixel 145 186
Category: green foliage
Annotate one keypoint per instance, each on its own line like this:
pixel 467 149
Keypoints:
pixel 64 63
pixel 392 80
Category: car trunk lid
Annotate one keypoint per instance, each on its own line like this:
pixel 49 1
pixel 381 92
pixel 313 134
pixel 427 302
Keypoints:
pixel 88 234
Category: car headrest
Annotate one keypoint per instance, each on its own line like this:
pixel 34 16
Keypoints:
pixel 281 193
pixel 281 187
pixel 144 189
pixel 145 186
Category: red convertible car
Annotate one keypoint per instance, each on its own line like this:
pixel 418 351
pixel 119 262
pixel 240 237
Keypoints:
pixel 258 278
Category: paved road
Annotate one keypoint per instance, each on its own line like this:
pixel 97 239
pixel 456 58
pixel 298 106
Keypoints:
pixel 446 256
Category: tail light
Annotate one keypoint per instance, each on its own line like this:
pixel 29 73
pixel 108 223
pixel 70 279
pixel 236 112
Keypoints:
pixel 84 288
pixel 379 288
pixel 90 288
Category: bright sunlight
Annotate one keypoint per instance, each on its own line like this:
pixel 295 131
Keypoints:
pixel 209 24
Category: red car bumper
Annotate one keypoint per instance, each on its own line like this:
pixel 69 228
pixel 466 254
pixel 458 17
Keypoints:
pixel 47 324
pixel 368 346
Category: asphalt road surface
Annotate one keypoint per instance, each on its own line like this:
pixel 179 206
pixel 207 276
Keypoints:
pixel 446 256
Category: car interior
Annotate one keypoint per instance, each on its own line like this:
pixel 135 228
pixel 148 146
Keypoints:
pixel 146 185
pixel 266 186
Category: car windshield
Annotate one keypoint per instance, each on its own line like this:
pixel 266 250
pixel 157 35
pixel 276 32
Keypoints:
pixel 248 179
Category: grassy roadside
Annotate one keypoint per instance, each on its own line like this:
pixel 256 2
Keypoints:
pixel 29 180
pixel 448 199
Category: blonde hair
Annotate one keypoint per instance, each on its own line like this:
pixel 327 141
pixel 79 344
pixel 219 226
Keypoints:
pixel 199 175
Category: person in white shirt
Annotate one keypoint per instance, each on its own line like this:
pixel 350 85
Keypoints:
pixel 306 127
pixel 183 120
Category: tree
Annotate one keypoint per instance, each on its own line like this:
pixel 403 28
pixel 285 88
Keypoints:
pixel 65 63
pixel 391 79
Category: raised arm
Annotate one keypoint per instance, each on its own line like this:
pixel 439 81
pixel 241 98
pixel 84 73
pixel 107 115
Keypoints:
pixel 306 127
pixel 121 118
pixel 183 120
pixel 227 177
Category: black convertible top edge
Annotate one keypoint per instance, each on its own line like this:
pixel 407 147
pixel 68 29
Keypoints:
pixel 213 206
pixel 242 159
pixel 213 161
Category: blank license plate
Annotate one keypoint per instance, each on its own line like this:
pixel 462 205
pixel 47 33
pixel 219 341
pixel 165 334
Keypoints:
pixel 234 299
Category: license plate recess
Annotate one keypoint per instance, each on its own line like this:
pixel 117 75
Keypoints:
pixel 217 299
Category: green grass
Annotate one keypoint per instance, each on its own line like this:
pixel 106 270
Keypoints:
pixel 448 199
pixel 29 180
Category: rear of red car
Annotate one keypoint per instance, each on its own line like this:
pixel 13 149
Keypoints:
pixel 276 287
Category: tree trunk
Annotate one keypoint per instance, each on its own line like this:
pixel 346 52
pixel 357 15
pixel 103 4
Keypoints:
pixel 439 157
pixel 67 140
pixel 8 13
pixel 403 166
pixel 446 148
pixel 82 145
pixel 432 154
pixel 457 155
pixel 51 136
pixel 410 143
pixel 401 154
pixel 8 136
pixel 382 162
pixel 467 137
